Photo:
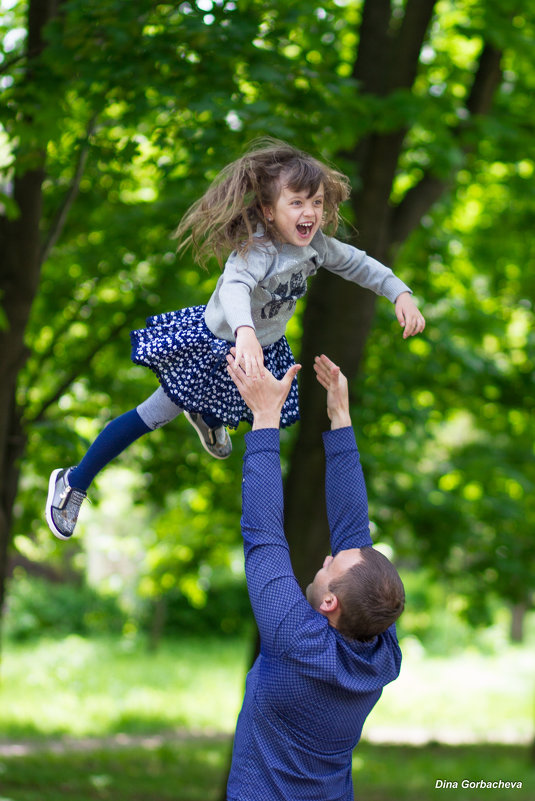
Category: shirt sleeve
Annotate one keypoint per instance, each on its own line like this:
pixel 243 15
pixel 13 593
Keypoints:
pixel 356 266
pixel 345 492
pixel 238 281
pixel 278 604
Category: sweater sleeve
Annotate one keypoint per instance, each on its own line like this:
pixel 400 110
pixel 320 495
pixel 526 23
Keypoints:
pixel 278 604
pixel 345 491
pixel 356 266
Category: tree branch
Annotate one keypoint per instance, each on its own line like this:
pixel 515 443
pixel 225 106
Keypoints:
pixel 408 43
pixel 373 39
pixel 416 203
pixel 487 80
pixel 61 217
pixel 6 66
pixel 70 313
pixel 73 375
pixel 424 194
pixel 377 155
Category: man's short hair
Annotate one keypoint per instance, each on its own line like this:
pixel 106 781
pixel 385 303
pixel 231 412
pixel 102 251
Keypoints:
pixel 371 596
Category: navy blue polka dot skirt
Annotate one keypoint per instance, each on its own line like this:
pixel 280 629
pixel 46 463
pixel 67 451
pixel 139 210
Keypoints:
pixel 191 366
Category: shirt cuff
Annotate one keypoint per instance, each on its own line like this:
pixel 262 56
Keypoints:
pixel 262 439
pixel 339 440
pixel 235 321
pixel 393 287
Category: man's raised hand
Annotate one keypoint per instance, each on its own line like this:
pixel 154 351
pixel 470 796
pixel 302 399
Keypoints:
pixel 265 396
pixel 331 377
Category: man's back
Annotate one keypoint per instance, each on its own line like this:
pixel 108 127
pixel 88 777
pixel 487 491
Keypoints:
pixel 303 715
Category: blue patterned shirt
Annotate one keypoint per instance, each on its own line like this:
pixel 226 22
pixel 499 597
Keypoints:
pixel 310 690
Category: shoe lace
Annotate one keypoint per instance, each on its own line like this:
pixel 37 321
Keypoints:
pixel 75 498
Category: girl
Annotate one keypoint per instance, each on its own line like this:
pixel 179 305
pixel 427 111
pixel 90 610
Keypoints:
pixel 270 208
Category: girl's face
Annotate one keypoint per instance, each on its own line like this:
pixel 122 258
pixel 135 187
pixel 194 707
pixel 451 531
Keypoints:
pixel 296 216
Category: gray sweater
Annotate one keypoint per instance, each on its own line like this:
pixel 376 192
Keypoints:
pixel 261 290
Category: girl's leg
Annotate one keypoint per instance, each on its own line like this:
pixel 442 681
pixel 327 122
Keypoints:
pixel 153 413
pixel 211 420
pixel 67 486
pixel 114 438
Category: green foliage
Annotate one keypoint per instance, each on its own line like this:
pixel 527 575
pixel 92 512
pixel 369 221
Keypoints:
pixel 223 608
pixel 150 101
pixel 184 770
pixel 38 607
pixel 102 686
pixel 449 440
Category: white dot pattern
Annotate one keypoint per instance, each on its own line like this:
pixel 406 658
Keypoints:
pixel 191 366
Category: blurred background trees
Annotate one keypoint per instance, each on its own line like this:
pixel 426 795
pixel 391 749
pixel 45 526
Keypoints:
pixel 114 118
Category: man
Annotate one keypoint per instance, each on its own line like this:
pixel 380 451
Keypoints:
pixel 324 658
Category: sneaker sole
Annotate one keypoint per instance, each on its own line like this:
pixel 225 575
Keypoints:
pixel 48 509
pixel 201 438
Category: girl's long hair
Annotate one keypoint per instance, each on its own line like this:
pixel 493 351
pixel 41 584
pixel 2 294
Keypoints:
pixel 226 216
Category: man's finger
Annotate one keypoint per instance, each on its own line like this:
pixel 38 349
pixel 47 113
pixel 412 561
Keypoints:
pixel 237 377
pixel 234 370
pixel 323 377
pixel 322 381
pixel 290 374
pixel 326 361
pixel 237 357
pixel 231 359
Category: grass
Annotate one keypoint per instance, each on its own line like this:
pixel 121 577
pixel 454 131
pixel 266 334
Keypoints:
pixel 195 770
pixel 96 687
pixel 469 697
pixel 102 686
pixel 168 719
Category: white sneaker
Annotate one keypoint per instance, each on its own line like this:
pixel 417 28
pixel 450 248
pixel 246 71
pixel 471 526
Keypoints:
pixel 62 504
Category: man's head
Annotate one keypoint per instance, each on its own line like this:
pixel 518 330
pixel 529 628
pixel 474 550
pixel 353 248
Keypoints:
pixel 360 592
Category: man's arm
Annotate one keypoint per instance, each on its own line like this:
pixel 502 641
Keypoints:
pixel 345 488
pixel 276 598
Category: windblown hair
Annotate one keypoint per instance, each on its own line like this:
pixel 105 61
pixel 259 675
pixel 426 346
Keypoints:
pixel 226 216
pixel 371 596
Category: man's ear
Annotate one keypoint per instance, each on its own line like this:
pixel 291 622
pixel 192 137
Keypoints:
pixel 329 604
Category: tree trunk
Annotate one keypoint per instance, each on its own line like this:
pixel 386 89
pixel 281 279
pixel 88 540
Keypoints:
pixel 518 616
pixel 20 245
pixel 305 515
pixel 339 315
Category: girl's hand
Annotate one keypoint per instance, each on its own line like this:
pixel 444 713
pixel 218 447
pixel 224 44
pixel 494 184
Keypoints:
pixel 409 316
pixel 264 398
pixel 249 354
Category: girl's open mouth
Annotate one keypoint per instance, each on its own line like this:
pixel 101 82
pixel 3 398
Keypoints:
pixel 304 229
